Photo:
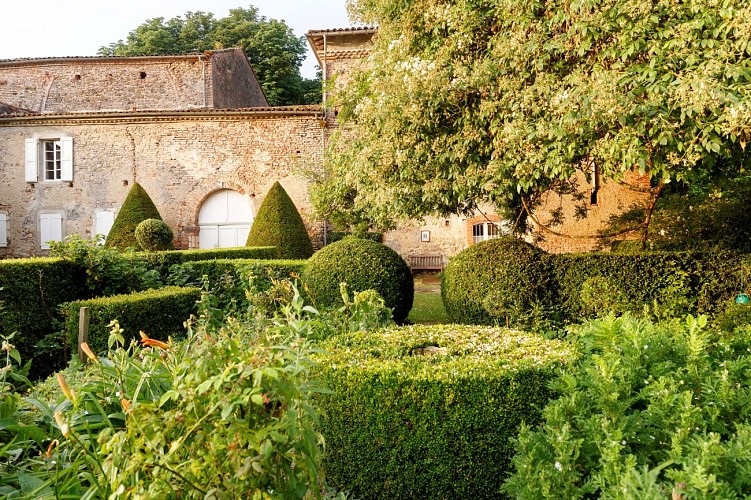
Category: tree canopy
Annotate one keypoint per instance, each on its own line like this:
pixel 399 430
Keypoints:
pixel 495 101
pixel 272 48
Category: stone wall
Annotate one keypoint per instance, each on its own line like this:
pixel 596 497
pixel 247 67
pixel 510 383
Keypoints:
pixel 66 85
pixel 179 161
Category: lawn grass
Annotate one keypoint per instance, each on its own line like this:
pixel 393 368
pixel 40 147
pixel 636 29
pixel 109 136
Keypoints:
pixel 428 308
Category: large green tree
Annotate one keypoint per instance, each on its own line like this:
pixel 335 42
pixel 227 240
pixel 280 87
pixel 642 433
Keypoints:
pixel 272 48
pixel 499 100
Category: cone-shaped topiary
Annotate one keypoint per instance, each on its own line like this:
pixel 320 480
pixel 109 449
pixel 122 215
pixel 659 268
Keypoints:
pixel 363 265
pixel 136 208
pixel 279 224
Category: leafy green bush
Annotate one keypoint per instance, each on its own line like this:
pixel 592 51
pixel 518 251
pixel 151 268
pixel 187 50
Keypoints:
pixel 497 281
pixel 647 407
pixel 30 292
pixel 223 414
pixel 429 411
pixel 279 224
pixel 136 208
pixel 229 279
pixel 334 236
pixel 108 271
pixel 160 313
pixel 164 260
pixel 153 235
pixel 363 265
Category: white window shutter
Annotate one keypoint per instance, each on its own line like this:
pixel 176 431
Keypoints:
pixel 66 147
pixel 3 230
pixel 50 229
pixel 32 170
pixel 103 220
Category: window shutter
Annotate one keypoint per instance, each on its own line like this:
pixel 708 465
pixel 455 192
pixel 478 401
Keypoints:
pixel 32 170
pixel 103 220
pixel 50 229
pixel 3 230
pixel 66 147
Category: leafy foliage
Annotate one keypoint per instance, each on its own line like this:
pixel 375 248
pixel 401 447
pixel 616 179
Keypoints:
pixel 164 260
pixel 136 208
pixel 362 265
pixel 646 408
pixel 279 224
pixel 153 235
pixel 481 101
pixel 428 411
pixel 272 49
pixel 159 313
pixel 500 281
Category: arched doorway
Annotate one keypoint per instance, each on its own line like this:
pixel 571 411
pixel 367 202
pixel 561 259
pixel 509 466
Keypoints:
pixel 224 220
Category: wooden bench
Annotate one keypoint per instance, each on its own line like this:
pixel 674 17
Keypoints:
pixel 426 262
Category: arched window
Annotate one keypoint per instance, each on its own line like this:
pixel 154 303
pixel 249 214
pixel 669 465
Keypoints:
pixel 224 220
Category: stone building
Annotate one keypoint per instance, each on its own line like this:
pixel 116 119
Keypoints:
pixel 197 133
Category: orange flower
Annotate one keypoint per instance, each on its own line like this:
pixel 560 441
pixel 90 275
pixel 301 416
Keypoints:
pixel 64 429
pixel 147 342
pixel 66 390
pixel 87 350
pixel 52 446
pixel 126 405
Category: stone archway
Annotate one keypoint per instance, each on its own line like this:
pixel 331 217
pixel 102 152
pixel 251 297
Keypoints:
pixel 224 220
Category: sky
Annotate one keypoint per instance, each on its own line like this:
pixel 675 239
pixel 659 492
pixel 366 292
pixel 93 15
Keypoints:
pixel 46 28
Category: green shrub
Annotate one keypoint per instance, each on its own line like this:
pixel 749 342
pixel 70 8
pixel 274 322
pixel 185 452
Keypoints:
pixel 363 265
pixel 429 411
pixel 153 235
pixel 279 224
pixel 229 279
pixel 31 291
pixel 159 313
pixel 163 261
pixel 136 208
pixel 646 407
pixel 495 282
pixel 334 236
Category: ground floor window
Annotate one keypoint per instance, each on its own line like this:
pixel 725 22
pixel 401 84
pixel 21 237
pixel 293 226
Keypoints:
pixel 485 231
pixel 50 229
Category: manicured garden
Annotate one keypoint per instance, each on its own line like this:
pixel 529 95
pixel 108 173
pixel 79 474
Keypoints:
pixel 230 373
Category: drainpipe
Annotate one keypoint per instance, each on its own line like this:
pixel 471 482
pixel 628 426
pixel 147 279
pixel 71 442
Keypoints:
pixel 323 129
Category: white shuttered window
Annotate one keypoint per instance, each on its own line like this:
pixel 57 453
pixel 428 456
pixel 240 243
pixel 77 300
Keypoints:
pixel 49 159
pixel 3 230
pixel 50 229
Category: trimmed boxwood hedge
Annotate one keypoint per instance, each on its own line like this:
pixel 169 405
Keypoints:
pixel 229 278
pixel 162 261
pixel 159 313
pixel 31 291
pixel 363 265
pixel 136 208
pixel 494 279
pixel 334 236
pixel 399 424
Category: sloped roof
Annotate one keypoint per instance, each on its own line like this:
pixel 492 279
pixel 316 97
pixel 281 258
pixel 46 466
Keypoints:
pixel 36 60
pixel 356 36
pixel 7 110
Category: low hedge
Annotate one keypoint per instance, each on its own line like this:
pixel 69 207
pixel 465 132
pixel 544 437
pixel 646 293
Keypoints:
pixel 677 282
pixel 31 291
pixel 159 313
pixel 229 278
pixel 400 423
pixel 162 261
pixel 334 236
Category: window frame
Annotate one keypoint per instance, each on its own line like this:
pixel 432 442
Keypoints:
pixel 36 160
pixel 51 215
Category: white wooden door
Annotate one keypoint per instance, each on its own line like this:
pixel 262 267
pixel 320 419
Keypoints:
pixel 224 220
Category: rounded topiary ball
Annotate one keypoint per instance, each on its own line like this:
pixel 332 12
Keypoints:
pixel 495 281
pixel 363 265
pixel 153 235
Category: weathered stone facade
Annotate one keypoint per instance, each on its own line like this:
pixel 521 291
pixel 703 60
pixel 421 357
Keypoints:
pixel 218 79
pixel 179 159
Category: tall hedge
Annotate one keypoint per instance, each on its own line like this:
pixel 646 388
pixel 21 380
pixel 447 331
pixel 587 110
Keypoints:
pixel 136 208
pixel 31 291
pixel 279 224
pixel 162 261
pixel 430 411
pixel 159 313
pixel 362 264
pixel 495 280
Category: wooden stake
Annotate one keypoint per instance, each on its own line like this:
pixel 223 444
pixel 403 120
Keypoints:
pixel 83 332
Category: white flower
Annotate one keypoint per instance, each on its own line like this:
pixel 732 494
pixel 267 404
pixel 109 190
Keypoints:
pixel 558 466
